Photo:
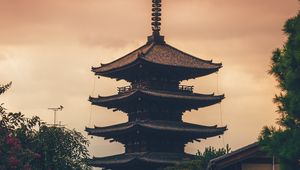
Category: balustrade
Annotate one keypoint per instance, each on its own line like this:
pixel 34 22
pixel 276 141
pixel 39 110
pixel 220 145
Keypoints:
pixel 127 89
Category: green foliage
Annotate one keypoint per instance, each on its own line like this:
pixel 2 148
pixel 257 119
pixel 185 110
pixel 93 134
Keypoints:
pixel 15 133
pixel 201 160
pixel 61 148
pixel 3 88
pixel 284 142
pixel 27 143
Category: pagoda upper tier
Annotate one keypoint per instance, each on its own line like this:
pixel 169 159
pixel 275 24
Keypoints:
pixel 181 101
pixel 178 131
pixel 157 59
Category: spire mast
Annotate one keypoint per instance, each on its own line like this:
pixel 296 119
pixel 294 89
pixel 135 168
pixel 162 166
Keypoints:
pixel 156 23
pixel 156 16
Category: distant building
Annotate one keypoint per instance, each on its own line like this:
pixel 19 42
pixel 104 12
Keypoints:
pixel 155 135
pixel 250 157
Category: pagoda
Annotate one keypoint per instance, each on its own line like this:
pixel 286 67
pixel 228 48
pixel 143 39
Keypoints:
pixel 155 134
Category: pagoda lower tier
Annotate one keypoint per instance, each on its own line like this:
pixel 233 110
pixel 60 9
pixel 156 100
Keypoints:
pixel 140 160
pixel 155 136
pixel 150 144
pixel 133 99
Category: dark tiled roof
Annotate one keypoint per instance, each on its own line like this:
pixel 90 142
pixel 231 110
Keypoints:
pixel 152 157
pixel 168 55
pixel 159 93
pixel 126 60
pixel 167 126
pixel 162 54
pixel 233 157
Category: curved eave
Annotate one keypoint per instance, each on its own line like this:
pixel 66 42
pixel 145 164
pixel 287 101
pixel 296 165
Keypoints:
pixel 169 61
pixel 166 127
pixel 112 101
pixel 128 159
pixel 126 71
pixel 102 100
pixel 113 73
pixel 129 59
pixel 182 72
pixel 98 71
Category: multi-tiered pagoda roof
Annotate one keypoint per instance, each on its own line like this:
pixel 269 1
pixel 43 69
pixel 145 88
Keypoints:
pixel 132 97
pixel 155 100
pixel 156 127
pixel 146 160
pixel 155 57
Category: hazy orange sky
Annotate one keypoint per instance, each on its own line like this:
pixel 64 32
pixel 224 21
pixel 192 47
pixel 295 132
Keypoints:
pixel 47 49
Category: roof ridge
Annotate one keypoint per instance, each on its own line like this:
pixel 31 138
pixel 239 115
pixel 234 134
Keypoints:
pixel 147 51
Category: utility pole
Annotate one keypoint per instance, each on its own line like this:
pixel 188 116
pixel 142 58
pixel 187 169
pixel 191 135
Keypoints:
pixel 55 110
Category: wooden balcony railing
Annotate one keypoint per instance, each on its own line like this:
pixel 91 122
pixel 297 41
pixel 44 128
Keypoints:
pixel 182 88
pixel 186 88
pixel 125 89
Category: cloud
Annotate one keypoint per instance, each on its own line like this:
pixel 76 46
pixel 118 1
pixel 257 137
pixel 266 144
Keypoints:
pixel 92 22
pixel 115 23
pixel 2 56
pixel 48 47
pixel 226 20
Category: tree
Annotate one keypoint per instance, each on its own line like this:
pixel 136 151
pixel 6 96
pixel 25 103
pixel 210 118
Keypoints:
pixel 60 148
pixel 284 142
pixel 16 132
pixel 3 88
pixel 202 159
pixel 13 154
pixel 28 143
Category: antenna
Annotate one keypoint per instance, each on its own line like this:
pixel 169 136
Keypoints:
pixel 55 110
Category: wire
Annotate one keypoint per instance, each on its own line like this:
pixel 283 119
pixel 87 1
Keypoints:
pixel 220 110
pixel 91 106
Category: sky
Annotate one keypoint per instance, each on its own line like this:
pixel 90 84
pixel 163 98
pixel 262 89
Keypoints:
pixel 47 49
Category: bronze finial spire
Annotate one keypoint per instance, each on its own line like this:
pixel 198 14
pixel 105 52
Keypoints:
pixel 156 18
pixel 156 15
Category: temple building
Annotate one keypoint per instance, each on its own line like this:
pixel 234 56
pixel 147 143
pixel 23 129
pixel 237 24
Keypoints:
pixel 155 135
